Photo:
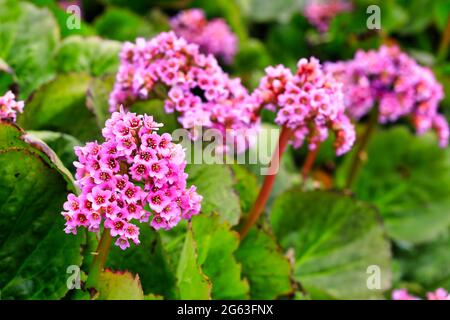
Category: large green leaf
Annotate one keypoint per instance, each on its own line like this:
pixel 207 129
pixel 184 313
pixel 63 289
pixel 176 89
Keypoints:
pixel 216 244
pixel 265 267
pixel 34 250
pixel 335 239
pixel 62 144
pixel 150 261
pixel 215 183
pixel 119 286
pixel 31 35
pixel 192 282
pixel 60 105
pixel 410 184
pixel 92 55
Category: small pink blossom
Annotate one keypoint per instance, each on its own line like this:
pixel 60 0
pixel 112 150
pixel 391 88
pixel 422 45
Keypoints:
pixel 9 107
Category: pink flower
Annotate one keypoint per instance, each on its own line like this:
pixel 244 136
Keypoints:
pixel 320 12
pixel 309 102
pixel 99 197
pixel 72 204
pixel 198 90
pixel 402 294
pixel 122 243
pixel 439 294
pixel 110 179
pixel 394 83
pixel 214 37
pixel 9 107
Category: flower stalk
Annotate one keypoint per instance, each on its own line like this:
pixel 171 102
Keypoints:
pixel 98 263
pixel 445 42
pixel 360 152
pixel 266 189
pixel 309 162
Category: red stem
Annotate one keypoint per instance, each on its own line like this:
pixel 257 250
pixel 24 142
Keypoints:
pixel 445 41
pixel 266 188
pixel 309 162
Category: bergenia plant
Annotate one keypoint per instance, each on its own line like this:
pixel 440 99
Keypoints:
pixel 390 85
pixel 194 86
pixel 308 105
pixel 136 175
pixel 213 37
pixel 9 107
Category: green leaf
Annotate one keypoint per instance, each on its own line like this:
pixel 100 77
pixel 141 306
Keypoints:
pixel 60 105
pixel 123 25
pixel 215 183
pixel 246 186
pixel 335 239
pixel 119 286
pixel 92 55
pixel 268 10
pixel 216 245
pixel 32 36
pixel 98 95
pixel 265 267
pixel 192 282
pixel 427 264
pixel 34 250
pixel 421 13
pixel 149 260
pixel 410 184
pixel 62 144
pixel 152 296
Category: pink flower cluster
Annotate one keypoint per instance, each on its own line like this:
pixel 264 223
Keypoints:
pixel 396 84
pixel 403 294
pixel 134 168
pixel 309 102
pixel 9 106
pixel 198 89
pixel 320 12
pixel 214 37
